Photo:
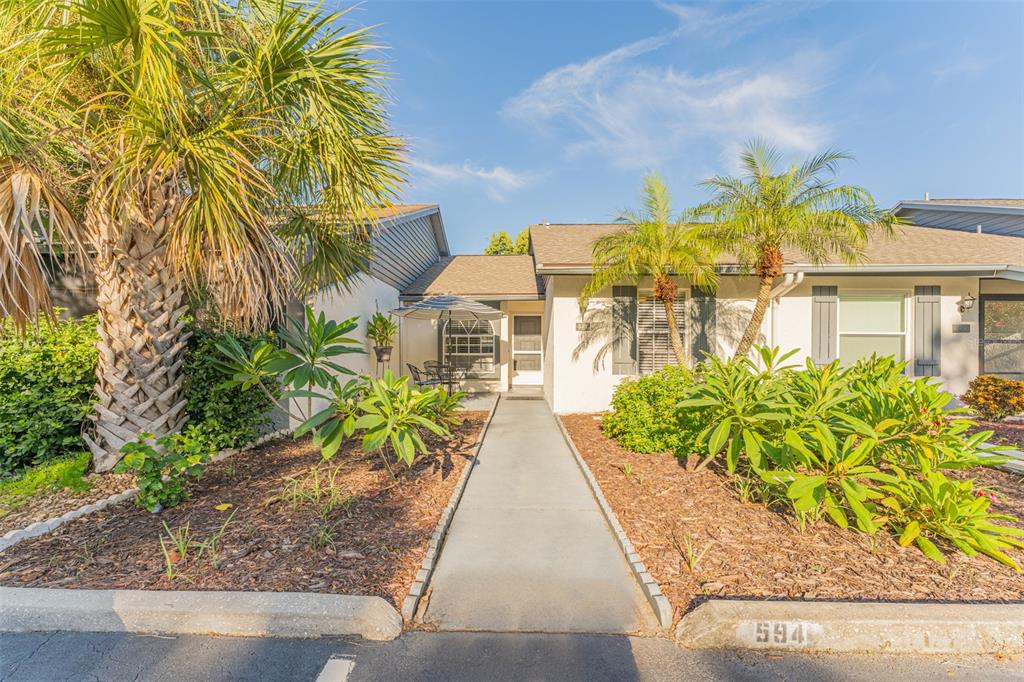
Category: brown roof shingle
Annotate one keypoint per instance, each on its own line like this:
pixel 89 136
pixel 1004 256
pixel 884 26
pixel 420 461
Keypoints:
pixel 557 246
pixel 479 277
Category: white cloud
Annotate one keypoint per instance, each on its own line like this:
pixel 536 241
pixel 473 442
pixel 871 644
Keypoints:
pixel 496 181
pixel 964 63
pixel 640 115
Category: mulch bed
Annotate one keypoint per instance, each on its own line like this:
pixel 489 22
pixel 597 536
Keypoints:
pixel 17 513
pixel 751 551
pixel 370 541
pixel 1006 433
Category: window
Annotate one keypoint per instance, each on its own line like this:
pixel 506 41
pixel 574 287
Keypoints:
pixel 1002 335
pixel 470 346
pixel 871 323
pixel 654 344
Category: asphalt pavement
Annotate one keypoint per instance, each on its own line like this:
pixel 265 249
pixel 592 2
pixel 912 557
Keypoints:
pixel 449 656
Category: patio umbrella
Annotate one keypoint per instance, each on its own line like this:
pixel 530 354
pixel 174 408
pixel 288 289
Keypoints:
pixel 444 309
pixel 448 308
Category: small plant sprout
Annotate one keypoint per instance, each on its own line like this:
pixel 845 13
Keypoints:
pixel 211 546
pixel 627 469
pixel 176 546
pixel 688 549
pixel 321 538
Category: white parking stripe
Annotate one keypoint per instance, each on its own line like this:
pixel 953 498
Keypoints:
pixel 336 670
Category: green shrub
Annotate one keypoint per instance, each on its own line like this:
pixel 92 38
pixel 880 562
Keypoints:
pixel 388 411
pixel 162 466
pixel 46 390
pixel 230 418
pixel 644 416
pixel 995 398
pixel 64 473
pixel 865 446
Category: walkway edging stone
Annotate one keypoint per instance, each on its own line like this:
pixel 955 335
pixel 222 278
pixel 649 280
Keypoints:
pixel 854 627
pixel 238 614
pixel 419 586
pixel 13 537
pixel 658 601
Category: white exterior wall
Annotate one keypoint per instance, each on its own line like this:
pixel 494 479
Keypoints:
pixel 366 296
pixel 959 351
pixel 581 380
pixel 580 376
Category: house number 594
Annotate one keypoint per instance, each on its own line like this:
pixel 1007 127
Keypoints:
pixel 780 633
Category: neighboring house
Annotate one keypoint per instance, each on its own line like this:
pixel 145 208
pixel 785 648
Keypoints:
pixel 988 216
pixel 408 240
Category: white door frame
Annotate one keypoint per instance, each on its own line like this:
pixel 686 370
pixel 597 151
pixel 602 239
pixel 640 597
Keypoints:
pixel 529 378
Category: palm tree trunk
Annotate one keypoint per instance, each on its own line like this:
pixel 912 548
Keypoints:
pixel 764 294
pixel 141 301
pixel 673 332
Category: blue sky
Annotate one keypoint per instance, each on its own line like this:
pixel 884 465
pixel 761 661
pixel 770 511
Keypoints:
pixel 528 112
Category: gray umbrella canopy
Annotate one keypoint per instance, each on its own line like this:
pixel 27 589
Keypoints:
pixel 448 308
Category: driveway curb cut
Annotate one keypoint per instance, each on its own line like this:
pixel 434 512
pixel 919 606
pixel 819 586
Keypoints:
pixel 852 627
pixel 659 602
pixel 239 614
pixel 422 580
pixel 13 537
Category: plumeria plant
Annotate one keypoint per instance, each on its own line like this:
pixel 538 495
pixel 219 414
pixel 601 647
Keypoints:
pixel 865 446
pixel 389 413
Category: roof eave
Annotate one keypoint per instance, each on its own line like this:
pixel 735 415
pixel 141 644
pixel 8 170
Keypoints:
pixel 982 270
pixel 958 208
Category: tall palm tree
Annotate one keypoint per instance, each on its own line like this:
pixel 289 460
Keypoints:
pixel 768 210
pixel 653 243
pixel 176 146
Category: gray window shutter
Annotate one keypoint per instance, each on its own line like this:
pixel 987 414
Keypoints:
pixel 654 343
pixel 703 320
pixel 824 321
pixel 624 330
pixel 927 331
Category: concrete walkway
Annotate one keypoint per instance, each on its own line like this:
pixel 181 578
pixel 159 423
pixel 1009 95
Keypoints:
pixel 528 549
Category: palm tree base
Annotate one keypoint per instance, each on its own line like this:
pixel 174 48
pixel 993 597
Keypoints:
pixel 139 382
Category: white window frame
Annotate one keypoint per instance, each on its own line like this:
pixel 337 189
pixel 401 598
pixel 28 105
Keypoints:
pixel 905 297
pixel 448 340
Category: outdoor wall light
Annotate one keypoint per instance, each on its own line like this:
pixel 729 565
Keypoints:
pixel 966 303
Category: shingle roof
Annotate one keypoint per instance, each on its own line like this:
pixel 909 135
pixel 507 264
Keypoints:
pixel 401 209
pixel 479 277
pixel 568 246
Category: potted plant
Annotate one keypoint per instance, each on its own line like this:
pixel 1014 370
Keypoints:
pixel 381 329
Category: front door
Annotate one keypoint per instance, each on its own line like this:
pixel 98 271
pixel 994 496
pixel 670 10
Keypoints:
pixel 1002 335
pixel 527 362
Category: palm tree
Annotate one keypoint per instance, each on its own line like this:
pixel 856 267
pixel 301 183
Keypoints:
pixel 758 216
pixel 657 244
pixel 177 149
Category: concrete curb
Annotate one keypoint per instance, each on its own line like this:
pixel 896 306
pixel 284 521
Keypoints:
pixel 240 614
pixel 422 580
pixel 38 528
pixel 849 627
pixel 659 602
pixel 1016 467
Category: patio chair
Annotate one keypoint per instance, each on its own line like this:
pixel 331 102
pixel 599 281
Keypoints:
pixel 420 378
pixel 446 375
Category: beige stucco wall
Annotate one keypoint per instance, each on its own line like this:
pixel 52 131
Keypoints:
pixel 578 369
